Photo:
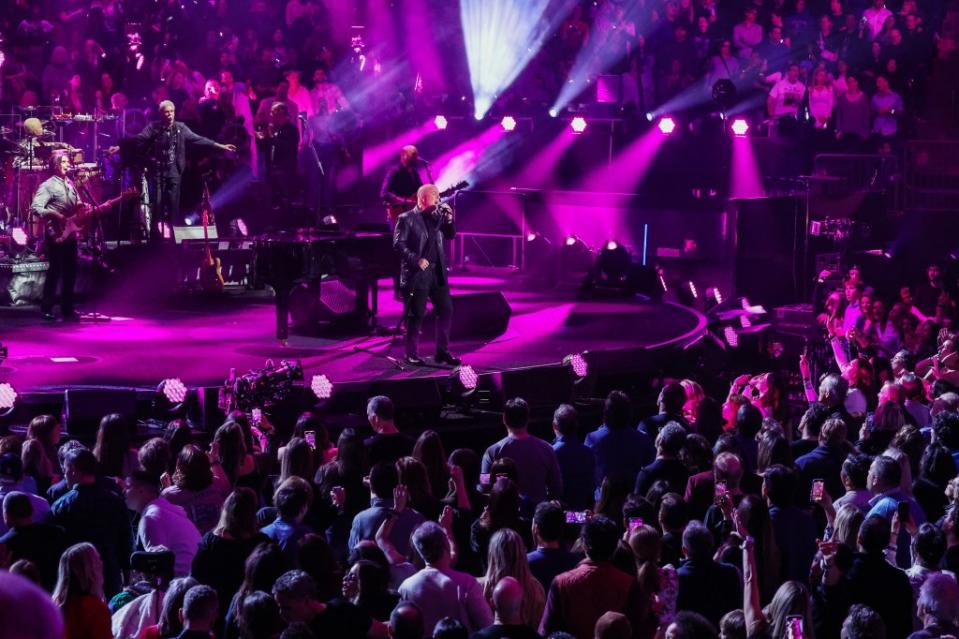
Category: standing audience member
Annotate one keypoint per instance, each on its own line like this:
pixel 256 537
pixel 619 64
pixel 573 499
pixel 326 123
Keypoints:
pixel 550 557
pixel 620 451
pixel 387 443
pixel 79 594
pixel 39 543
pixel 576 462
pixel 508 599
pixel 162 524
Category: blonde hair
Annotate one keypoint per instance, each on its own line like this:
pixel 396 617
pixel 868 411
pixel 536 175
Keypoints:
pixel 507 558
pixel 80 573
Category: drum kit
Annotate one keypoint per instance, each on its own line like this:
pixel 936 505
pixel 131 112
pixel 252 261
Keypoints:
pixel 25 150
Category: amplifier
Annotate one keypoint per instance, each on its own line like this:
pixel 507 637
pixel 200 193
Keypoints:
pixel 22 282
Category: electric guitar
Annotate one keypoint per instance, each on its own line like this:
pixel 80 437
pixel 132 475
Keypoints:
pixel 211 268
pixel 393 211
pixel 78 217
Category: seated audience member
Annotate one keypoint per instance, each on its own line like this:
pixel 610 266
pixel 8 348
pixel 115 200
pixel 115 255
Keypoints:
pixel 825 461
pixel 550 557
pixel 26 611
pixel 295 594
pixel 169 623
pixel 387 444
pixel 869 579
pixel 579 597
pixel 292 500
pixel 79 593
pixel 862 622
pixel 91 513
pixel 613 625
pixel 154 457
pixel 260 617
pixel 706 586
pixel 539 472
pixel 885 475
pixel 854 475
pixel 438 590
pixel 671 401
pixel 576 462
pixel 162 524
pixel 620 451
pixel 508 596
pixel 938 608
pixel 384 478
pixel 115 456
pixel 12 480
pixel 195 489
pixel 406 622
pixel 667 466
pixel 40 543
pixel 199 612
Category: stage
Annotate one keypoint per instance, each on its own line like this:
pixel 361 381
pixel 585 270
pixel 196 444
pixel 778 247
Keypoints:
pixel 199 339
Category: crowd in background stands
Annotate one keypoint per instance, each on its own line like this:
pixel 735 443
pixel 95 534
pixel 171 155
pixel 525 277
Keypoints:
pixel 855 67
pixel 708 519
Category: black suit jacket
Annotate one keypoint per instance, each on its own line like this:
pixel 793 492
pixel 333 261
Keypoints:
pixel 410 240
pixel 40 543
pixel 148 138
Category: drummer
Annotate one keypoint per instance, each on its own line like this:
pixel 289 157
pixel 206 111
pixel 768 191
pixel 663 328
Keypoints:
pixel 34 150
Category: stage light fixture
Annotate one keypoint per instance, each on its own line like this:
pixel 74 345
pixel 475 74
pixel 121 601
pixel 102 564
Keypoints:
pixel 8 397
pixel 575 256
pixel 692 290
pixel 19 236
pixel 612 264
pixel 553 113
pixel 739 127
pixel 467 376
pixel 174 390
pixel 571 240
pixel 732 338
pixel 440 122
pixel 650 116
pixel 238 227
pixel 666 125
pixel 508 123
pixel 578 124
pixel 577 362
pixel 321 386
pixel 612 245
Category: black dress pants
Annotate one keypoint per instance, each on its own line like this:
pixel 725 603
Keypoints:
pixel 63 268
pixel 439 295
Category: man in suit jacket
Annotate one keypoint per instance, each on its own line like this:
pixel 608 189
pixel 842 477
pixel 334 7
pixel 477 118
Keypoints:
pixel 162 145
pixel 418 240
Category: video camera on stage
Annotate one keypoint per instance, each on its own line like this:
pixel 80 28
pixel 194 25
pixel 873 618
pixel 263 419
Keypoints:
pixel 260 387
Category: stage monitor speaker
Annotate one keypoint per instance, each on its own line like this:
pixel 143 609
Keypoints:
pixel 83 409
pixel 475 316
pixel 334 302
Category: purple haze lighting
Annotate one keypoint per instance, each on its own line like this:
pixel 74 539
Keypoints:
pixel 578 363
pixel 389 151
pixel 578 124
pixel 667 125
pixel 745 178
pixel 440 122
pixel 467 376
pixel 174 390
pixel 19 236
pixel 739 127
pixel 508 123
pixel 321 386
pixel 459 162
pixel 8 396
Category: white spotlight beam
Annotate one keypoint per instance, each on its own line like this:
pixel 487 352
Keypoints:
pixel 501 37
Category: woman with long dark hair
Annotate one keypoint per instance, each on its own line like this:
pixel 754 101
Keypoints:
pixel 503 512
pixel 114 454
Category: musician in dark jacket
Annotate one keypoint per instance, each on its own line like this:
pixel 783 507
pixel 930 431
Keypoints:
pixel 418 239
pixel 55 200
pixel 163 146
pixel 401 183
pixel 278 146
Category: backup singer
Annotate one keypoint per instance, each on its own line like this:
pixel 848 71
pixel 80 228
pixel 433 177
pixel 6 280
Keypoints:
pixel 418 239
pixel 56 197
pixel 164 143
pixel 399 192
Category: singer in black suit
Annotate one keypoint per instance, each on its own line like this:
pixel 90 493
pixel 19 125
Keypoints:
pixel 164 144
pixel 418 240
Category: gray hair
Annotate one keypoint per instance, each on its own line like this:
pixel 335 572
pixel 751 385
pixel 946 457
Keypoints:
pixel 430 541
pixel 381 406
pixel 834 387
pixel 165 104
pixel 939 598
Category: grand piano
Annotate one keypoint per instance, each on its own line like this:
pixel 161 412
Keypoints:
pixel 285 260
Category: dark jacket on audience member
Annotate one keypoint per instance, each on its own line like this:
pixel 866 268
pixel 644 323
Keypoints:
pixel 672 471
pixel 872 581
pixel 710 588
pixel 578 598
pixel 620 453
pixel 795 533
pixel 40 543
pixel 546 563
pixel 823 462
pixel 219 563
pixel 578 468
pixel 92 513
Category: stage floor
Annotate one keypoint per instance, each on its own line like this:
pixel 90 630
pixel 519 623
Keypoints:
pixel 200 340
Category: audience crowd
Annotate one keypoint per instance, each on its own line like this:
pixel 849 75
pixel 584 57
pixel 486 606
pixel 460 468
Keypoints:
pixel 703 520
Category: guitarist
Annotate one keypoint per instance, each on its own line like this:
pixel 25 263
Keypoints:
pixel 399 193
pixel 55 199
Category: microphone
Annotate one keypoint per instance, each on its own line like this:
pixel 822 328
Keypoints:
pixel 422 161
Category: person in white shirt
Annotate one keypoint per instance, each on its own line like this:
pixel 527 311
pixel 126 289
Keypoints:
pixel 438 590
pixel 875 17
pixel 328 93
pixel 161 523
pixel 821 99
pixel 786 95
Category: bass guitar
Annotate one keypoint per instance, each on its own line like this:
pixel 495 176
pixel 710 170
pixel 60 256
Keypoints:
pixel 76 219
pixel 393 211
